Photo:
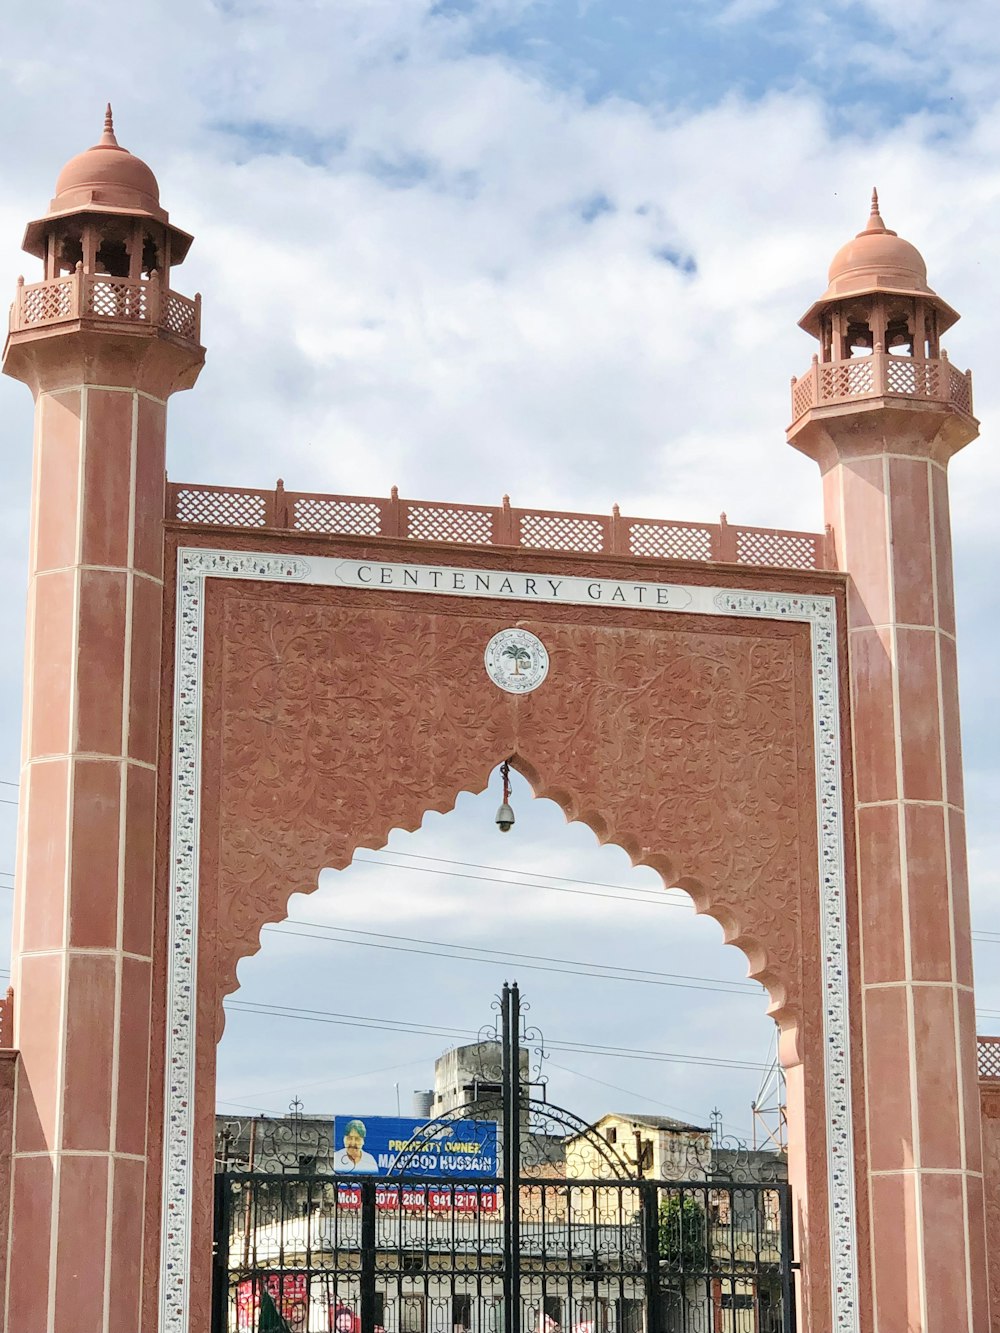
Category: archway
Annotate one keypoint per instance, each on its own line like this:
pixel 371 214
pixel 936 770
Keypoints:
pixel 392 972
pixel 322 699
pixel 352 998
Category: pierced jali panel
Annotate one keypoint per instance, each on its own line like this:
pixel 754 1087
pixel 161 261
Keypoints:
pixel 47 301
pixel 776 548
pixel 665 541
pixel 350 517
pixel 802 397
pixel 959 389
pixel 224 507
pixel 847 379
pixel 110 298
pixel 989 1057
pixel 181 316
pixel 553 532
pixel 905 376
pixel 437 523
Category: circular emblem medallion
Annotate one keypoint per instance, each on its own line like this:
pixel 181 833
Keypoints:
pixel 516 660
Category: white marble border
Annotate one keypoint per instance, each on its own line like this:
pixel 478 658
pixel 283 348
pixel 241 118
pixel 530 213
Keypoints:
pixel 195 565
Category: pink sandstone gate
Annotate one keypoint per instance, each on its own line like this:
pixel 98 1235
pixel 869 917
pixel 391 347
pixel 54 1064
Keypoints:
pixel 769 719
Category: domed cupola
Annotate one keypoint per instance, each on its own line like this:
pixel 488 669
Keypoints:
pixel 106 214
pixel 107 176
pixel 108 248
pixel 879 326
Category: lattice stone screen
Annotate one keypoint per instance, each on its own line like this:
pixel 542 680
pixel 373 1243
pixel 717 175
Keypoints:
pixel 847 379
pixel 494 525
pixel 116 298
pixel 46 301
pixel 896 375
pixel 960 389
pixel 918 379
pixel 784 549
pixel 439 523
pixel 362 518
pixel 669 541
pixel 802 396
pixel 98 296
pixel 558 532
pixel 229 508
pixel 989 1057
pixel 180 315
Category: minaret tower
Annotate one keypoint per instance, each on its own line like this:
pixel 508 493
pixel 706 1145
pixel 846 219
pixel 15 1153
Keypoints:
pixel 102 342
pixel 882 411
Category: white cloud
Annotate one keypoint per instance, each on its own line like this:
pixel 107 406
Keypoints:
pixel 407 280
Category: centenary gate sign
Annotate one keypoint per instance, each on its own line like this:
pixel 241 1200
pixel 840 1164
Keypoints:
pixel 768 719
pixel 598 1249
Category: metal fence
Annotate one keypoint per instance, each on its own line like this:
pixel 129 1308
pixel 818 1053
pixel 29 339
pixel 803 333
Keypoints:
pixel 371 1255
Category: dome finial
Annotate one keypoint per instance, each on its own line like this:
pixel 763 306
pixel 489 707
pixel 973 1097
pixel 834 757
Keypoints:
pixel 108 139
pixel 875 223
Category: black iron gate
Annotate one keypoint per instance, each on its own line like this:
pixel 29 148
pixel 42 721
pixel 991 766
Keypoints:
pixel 581 1245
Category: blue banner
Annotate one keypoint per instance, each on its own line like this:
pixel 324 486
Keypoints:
pixel 372 1145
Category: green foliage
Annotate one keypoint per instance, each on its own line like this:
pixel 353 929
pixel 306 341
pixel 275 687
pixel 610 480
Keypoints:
pixel 683 1230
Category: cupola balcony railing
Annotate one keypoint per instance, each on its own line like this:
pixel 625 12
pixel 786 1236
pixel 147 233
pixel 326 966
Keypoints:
pixel 881 375
pixel 96 296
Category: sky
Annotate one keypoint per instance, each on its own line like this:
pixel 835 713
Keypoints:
pixel 557 249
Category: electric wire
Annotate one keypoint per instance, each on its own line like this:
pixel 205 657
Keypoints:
pixel 427 1029
pixel 574 966
pixel 652 898
pixel 657 893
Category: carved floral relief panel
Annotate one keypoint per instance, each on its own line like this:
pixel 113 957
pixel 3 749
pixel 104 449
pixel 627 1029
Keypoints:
pixel 338 720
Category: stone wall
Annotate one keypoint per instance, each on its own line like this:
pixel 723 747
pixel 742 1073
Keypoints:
pixel 989 1096
pixel 8 1068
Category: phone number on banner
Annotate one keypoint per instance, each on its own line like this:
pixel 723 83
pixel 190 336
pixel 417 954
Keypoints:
pixel 420 1197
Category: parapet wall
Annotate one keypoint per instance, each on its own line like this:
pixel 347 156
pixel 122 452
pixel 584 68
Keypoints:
pixel 497 525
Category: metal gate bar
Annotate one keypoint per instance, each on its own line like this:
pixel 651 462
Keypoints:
pixel 436 1255
pixel 530 1251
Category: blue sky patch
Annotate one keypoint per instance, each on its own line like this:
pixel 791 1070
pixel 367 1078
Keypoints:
pixel 684 263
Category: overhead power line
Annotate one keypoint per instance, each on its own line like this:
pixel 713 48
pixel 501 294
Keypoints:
pixel 538 874
pixel 435 1030
pixel 539 962
pixel 646 897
